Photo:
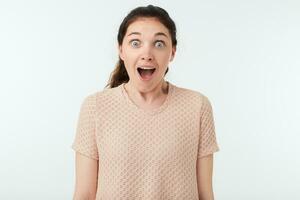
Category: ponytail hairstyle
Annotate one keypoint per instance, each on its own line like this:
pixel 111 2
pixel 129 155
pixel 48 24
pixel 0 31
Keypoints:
pixel 119 75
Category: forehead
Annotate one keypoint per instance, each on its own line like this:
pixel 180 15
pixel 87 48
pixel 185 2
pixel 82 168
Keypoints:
pixel 147 26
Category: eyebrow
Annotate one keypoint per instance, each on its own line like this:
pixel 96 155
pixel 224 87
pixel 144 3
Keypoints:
pixel 156 34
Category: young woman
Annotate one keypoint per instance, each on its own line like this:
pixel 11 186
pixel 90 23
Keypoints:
pixel 143 137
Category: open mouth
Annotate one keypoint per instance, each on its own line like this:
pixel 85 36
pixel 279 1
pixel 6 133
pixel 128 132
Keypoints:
pixel 146 74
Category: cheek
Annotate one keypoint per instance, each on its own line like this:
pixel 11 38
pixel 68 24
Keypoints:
pixel 129 61
pixel 164 60
pixel 129 55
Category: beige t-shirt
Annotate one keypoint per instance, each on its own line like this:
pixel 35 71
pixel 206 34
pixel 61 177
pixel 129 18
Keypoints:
pixel 146 154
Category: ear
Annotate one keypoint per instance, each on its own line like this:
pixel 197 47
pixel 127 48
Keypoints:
pixel 173 53
pixel 120 52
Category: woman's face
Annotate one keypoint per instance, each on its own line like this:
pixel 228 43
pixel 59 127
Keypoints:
pixel 146 44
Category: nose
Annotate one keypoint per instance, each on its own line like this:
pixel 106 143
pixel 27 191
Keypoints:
pixel 147 54
pixel 147 58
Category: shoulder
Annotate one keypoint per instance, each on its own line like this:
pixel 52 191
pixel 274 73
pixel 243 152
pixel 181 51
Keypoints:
pixel 191 96
pixel 103 96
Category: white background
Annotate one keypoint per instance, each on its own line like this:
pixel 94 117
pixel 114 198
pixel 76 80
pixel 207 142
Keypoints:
pixel 243 55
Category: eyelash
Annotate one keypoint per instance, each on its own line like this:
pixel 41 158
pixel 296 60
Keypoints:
pixel 155 41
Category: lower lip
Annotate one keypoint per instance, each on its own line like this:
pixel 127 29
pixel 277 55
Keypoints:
pixel 148 77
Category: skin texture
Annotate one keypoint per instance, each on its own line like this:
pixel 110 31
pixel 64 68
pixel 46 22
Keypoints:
pixel 204 177
pixel 86 178
pixel 144 48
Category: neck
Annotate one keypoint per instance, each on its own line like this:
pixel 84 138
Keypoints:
pixel 147 96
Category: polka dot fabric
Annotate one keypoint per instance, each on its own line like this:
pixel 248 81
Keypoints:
pixel 146 154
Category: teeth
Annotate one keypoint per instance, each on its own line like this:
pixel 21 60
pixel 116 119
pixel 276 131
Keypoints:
pixel 147 67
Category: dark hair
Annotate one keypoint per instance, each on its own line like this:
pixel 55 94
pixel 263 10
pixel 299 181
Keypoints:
pixel 119 75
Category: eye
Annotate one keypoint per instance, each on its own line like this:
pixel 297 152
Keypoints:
pixel 159 43
pixel 134 43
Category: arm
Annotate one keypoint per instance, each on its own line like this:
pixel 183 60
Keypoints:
pixel 86 178
pixel 85 145
pixel 204 177
pixel 207 146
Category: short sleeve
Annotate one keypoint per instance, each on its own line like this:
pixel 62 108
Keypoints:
pixel 207 139
pixel 85 137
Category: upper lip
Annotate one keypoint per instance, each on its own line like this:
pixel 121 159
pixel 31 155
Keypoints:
pixel 147 66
